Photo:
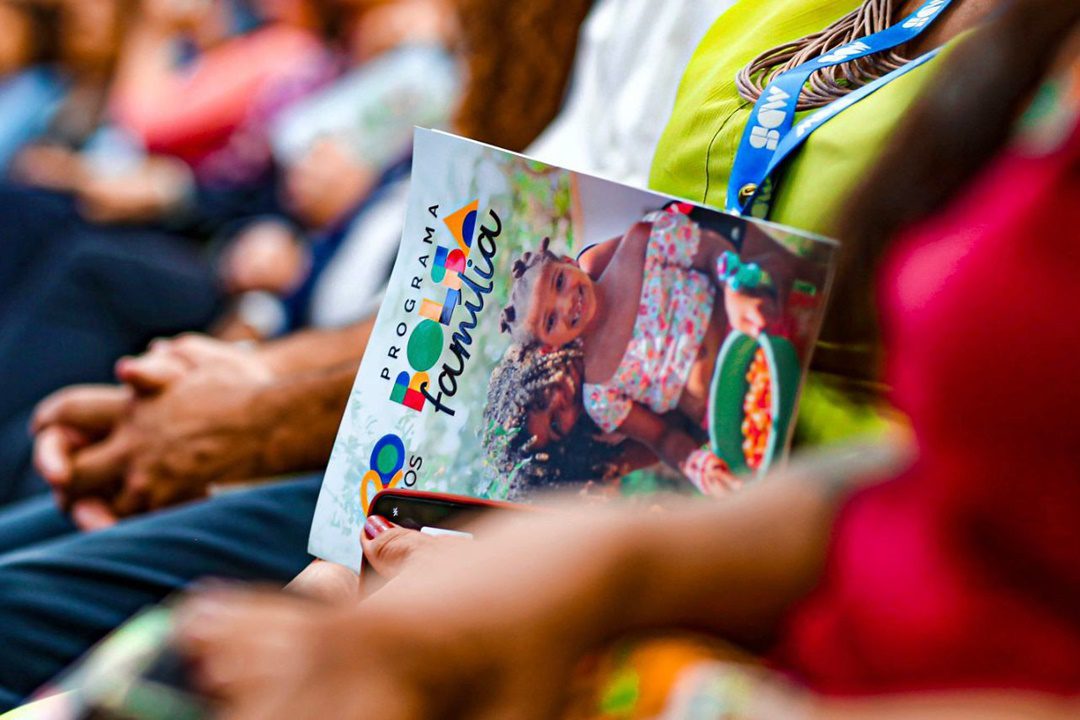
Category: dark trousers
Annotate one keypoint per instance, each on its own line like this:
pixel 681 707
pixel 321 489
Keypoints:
pixel 73 300
pixel 61 591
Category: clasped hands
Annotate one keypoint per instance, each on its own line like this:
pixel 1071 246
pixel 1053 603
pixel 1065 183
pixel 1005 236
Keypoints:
pixel 182 419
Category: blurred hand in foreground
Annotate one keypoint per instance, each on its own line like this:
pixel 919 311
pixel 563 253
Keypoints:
pixel 477 629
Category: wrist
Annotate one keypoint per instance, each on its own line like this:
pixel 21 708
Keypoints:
pixel 278 358
pixel 622 569
pixel 299 417
pixel 277 435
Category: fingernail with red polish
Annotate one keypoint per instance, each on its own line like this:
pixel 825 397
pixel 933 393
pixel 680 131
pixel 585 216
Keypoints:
pixel 376 526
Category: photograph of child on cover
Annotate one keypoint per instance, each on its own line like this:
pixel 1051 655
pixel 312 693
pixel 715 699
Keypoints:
pixel 547 329
pixel 615 351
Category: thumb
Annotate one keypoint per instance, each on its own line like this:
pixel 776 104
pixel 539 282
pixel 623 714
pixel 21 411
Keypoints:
pixel 54 447
pixel 388 548
pixel 92 408
pixel 151 373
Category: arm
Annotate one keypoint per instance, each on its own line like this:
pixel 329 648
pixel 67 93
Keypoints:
pixel 309 350
pixel 669 439
pixel 595 258
pixel 711 246
pixel 299 421
pixel 733 568
pixel 670 442
pixel 171 360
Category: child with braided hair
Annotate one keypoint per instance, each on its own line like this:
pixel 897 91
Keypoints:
pixel 643 310
pixel 534 433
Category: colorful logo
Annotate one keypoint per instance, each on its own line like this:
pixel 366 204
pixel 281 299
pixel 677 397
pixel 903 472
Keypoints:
pixel 387 465
pixel 425 344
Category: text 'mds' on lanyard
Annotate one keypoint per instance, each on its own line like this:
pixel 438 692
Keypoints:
pixel 771 134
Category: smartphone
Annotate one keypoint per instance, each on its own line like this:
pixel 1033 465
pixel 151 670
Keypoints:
pixel 429 513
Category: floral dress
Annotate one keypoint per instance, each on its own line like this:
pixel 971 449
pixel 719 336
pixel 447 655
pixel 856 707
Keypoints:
pixel 673 317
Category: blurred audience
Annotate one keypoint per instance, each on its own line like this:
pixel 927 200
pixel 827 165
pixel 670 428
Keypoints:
pixel 30 90
pixel 935 577
pixel 239 169
pixel 85 41
pixel 342 153
pixel 193 414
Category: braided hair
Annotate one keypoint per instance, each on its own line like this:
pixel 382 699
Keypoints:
pixel 526 380
pixel 511 320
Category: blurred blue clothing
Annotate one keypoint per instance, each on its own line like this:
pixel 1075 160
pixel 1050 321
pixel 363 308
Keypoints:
pixel 101 295
pixel 326 246
pixel 28 100
pixel 20 480
pixel 74 298
pixel 61 591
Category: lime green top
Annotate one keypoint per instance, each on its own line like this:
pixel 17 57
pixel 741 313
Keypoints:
pixel 694 157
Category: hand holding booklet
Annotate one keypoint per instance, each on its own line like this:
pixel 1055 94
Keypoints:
pixel 543 329
pixel 548 329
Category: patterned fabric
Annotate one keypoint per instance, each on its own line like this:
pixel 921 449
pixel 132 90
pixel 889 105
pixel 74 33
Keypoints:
pixel 676 305
pixel 669 677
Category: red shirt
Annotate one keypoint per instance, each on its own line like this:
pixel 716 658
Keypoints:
pixel 217 111
pixel 965 572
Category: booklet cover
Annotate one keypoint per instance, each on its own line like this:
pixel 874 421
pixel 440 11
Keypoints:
pixel 548 329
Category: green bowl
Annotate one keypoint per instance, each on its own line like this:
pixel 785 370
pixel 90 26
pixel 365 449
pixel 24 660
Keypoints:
pixel 728 393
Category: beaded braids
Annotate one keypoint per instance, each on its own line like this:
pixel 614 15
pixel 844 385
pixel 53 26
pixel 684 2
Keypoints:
pixel 511 321
pixel 525 380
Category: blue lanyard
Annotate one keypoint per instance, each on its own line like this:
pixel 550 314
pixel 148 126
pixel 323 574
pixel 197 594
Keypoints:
pixel 769 130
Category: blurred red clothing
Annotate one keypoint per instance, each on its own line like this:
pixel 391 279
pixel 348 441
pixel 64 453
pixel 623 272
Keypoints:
pixel 965 572
pixel 196 113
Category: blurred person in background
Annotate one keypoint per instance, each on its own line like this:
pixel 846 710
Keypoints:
pixel 239 414
pixel 188 109
pixel 345 154
pixel 68 109
pixel 87 38
pixel 84 152
pixel 30 88
pixel 949 590
pixel 103 294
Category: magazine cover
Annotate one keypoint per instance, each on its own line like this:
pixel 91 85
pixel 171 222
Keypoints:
pixel 546 329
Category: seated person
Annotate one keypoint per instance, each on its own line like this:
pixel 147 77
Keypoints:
pixel 29 87
pixel 86 40
pixel 338 147
pixel 945 591
pixel 298 386
pixel 104 294
pixel 175 129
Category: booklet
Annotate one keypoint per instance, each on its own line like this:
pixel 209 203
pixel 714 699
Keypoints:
pixel 549 329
